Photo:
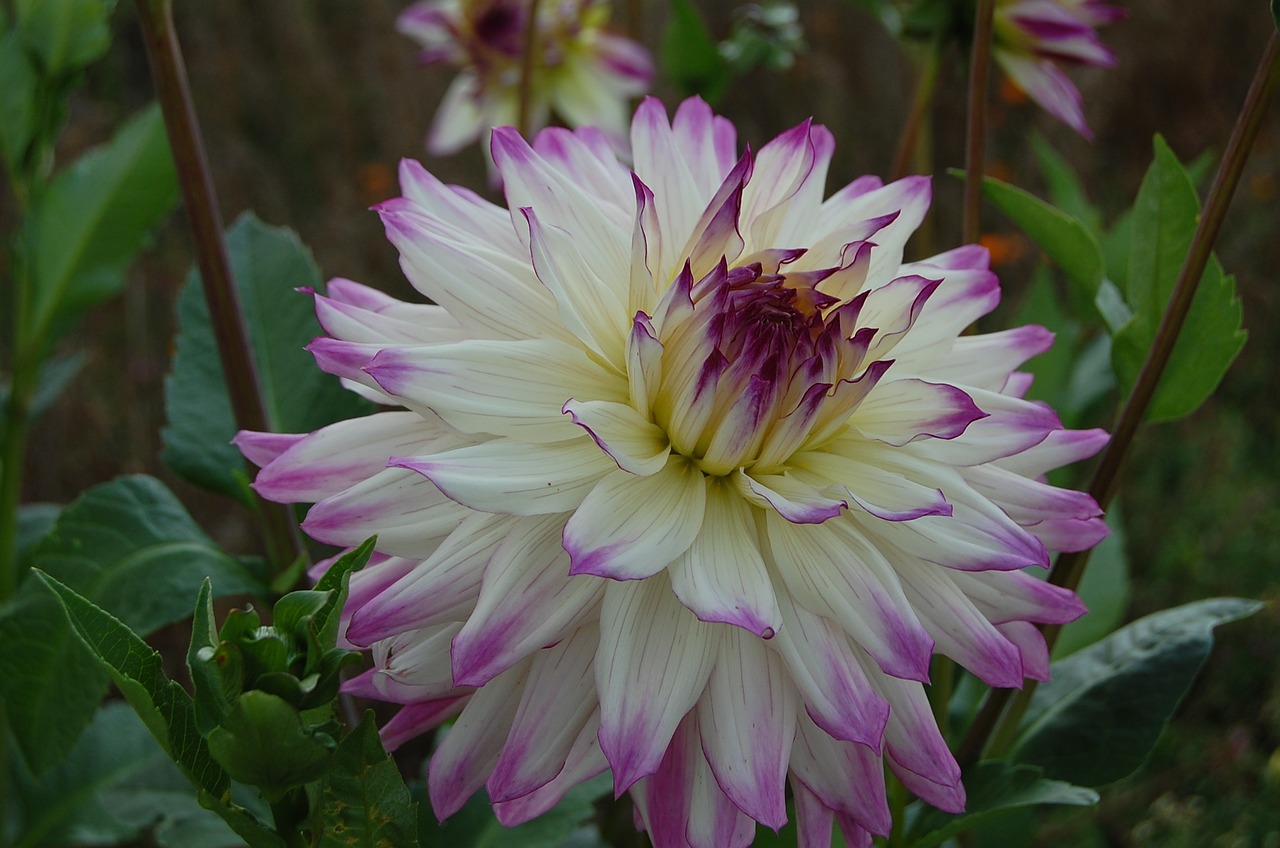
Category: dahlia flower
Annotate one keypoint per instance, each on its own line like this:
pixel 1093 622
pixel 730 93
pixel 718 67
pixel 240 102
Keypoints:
pixel 689 477
pixel 1030 36
pixel 582 73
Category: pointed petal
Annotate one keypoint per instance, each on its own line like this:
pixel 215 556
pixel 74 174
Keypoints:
pixel 845 777
pixel 901 411
pixel 632 527
pixel 635 444
pixel 652 666
pixel 793 499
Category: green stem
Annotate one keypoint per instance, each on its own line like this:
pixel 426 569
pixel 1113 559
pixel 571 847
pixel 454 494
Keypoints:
pixel 976 134
pixel 941 685
pixel 897 810
pixel 284 544
pixel 1069 568
pixel 528 64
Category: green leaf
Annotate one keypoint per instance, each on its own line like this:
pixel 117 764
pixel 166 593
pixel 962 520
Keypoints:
pixel 130 547
pixel 1065 189
pixel 34 521
pixel 114 784
pixel 138 671
pixel 262 742
pixel 17 100
pixel 86 227
pixel 215 686
pixel 363 800
pixel 1104 590
pixel 1066 241
pixel 995 788
pixel 65 34
pixel 269 264
pixel 49 681
pixel 1164 220
pixel 690 56
pixel 1107 704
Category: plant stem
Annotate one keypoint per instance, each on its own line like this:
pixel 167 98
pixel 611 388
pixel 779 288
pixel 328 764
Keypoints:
pixel 976 134
pixel 284 544
pixel 907 155
pixel 528 64
pixel 1069 567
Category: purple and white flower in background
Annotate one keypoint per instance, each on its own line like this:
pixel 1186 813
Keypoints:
pixel 580 72
pixel 688 476
pixel 1032 36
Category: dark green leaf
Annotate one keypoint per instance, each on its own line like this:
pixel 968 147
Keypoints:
pixel 130 548
pixel 138 671
pixel 995 788
pixel 269 265
pixel 1164 219
pixel 115 783
pixel 216 685
pixel 17 100
pixel 1064 239
pixel 1104 590
pixel 86 227
pixel 49 681
pixel 1107 704
pixel 690 56
pixel 65 34
pixel 34 521
pixel 363 800
pixel 326 623
pixel 1065 190
pixel 262 742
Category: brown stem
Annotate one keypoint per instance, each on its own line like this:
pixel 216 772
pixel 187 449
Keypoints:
pixel 1069 568
pixel 976 134
pixel 234 349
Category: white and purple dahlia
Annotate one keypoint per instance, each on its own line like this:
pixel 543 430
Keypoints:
pixel 1032 36
pixel 580 71
pixel 688 476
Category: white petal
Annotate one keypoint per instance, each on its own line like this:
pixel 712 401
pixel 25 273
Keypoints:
pixel 651 668
pixel 507 388
pixel 845 777
pixel 632 527
pixel 636 444
pixel 722 577
pixel 748 720
pixel 516 478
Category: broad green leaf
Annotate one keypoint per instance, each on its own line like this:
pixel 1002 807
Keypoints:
pixel 86 227
pixel 65 34
pixel 130 547
pixel 114 784
pixel 1164 219
pixel 270 264
pixel 1107 704
pixel 1065 190
pixel 138 671
pixel 690 55
pixel 49 681
pixel 336 578
pixel 363 802
pixel 1104 590
pixel 995 788
pixel 17 100
pixel 34 521
pixel 214 689
pixel 262 742
pixel 1066 241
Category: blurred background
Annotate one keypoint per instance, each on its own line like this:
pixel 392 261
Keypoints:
pixel 307 107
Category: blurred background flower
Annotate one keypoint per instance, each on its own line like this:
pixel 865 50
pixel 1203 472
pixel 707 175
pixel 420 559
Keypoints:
pixel 578 71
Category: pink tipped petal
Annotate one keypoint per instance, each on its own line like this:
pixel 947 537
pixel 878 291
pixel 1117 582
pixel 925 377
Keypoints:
pixel 1031 645
pixel 514 389
pixel 516 478
pixel 833 686
pixel 651 667
pixel 632 527
pixel 1011 426
pixel 407 513
pixel 473 744
pixel 830 571
pixel 747 721
pixel 1057 449
pixel 915 747
pixel 1015 595
pixel 634 443
pixel 814 819
pixel 556 702
pixel 585 761
pixel 988 360
pixel 262 448
pixel 793 499
pixel 901 411
pixel 413 720
pixel 527 601
pixel 722 577
pixel 844 777
pixel 1048 86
